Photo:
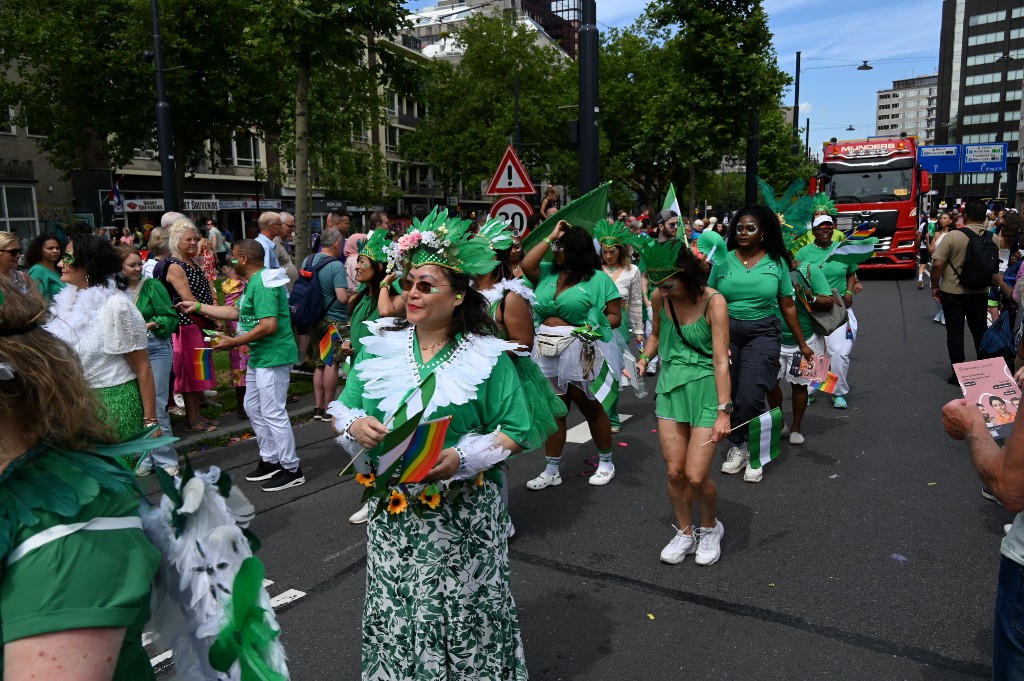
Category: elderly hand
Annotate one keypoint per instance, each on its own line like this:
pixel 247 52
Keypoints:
pixel 960 419
pixel 368 432
pixel 447 465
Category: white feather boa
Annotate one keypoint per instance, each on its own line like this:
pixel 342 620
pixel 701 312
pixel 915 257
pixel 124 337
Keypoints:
pixel 516 286
pixel 75 309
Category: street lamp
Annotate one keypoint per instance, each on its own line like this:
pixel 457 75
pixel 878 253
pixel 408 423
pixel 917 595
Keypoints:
pixel 163 118
pixel 864 66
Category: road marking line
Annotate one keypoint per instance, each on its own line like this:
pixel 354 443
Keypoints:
pixel 581 434
pixel 288 596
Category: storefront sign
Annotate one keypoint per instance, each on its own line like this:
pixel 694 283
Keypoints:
pixel 143 205
pixel 202 204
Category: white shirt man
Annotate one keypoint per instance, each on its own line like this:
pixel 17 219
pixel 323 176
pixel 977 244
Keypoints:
pixel 270 226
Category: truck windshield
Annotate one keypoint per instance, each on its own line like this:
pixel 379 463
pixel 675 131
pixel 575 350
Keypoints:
pixel 871 186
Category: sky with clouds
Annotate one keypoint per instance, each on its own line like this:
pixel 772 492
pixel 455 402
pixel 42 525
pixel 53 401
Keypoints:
pixel 901 40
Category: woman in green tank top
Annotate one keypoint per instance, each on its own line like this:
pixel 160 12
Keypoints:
pixel 691 335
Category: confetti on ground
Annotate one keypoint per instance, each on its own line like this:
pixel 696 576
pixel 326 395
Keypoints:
pixel 833 476
pixel 899 558
pixel 622 444
pixel 771 584
pixel 650 616
pixel 932 484
pixel 655 430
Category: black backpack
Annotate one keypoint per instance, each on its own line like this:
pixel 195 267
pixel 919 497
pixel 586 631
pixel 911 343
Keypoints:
pixel 981 261
pixel 306 301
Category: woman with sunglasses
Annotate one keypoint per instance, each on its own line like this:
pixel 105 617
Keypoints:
pixel 754 279
pixel 691 335
pixel 94 316
pixel 455 517
pixel 573 292
pixel 42 257
pixel 10 254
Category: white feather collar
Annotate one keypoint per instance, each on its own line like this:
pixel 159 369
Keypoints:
pixel 75 309
pixel 516 286
pixel 389 371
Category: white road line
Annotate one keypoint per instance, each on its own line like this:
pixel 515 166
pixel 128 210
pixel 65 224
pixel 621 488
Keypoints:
pixel 581 434
pixel 287 597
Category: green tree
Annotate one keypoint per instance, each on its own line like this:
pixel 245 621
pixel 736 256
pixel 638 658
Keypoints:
pixel 76 70
pixel 336 52
pixel 470 108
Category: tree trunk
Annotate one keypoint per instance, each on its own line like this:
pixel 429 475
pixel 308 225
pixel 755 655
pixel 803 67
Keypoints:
pixel 302 232
pixel 693 189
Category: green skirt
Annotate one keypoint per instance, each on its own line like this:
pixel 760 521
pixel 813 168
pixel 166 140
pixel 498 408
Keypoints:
pixel 544 405
pixel 122 411
pixel 695 402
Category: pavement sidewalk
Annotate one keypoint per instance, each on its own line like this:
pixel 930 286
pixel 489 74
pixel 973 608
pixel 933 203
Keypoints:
pixel 232 426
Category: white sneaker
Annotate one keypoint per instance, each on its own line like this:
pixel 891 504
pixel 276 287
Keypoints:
pixel 603 476
pixel 179 400
pixel 709 549
pixel 679 548
pixel 785 430
pixel 796 438
pixel 753 474
pixel 1006 528
pixel 735 460
pixel 172 471
pixel 360 516
pixel 544 480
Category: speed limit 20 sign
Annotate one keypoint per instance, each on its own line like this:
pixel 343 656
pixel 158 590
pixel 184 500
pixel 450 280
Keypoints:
pixel 514 210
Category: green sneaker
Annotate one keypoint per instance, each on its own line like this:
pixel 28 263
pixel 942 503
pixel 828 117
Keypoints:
pixel 839 402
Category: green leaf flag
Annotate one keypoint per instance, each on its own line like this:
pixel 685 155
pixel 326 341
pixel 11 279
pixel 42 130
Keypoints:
pixel 584 212
pixel 765 432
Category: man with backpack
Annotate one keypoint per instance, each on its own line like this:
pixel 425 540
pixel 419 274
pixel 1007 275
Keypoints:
pixel 963 265
pixel 320 299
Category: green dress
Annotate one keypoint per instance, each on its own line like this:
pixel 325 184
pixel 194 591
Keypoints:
pixel 49 281
pixel 438 596
pixel 60 584
pixel 544 405
pixel 686 389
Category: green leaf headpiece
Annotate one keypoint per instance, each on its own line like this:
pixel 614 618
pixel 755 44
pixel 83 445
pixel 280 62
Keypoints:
pixel 498 233
pixel 822 202
pixel 612 235
pixel 659 260
pixel 375 248
pixel 443 241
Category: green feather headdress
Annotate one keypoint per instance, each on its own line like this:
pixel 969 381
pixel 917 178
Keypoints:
pixel 498 233
pixel 611 235
pixel 375 248
pixel 822 202
pixel 659 260
pixel 444 241
pixel 794 213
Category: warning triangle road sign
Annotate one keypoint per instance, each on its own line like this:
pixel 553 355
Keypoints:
pixel 511 177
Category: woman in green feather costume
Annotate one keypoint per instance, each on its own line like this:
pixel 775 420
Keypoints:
pixel 59 608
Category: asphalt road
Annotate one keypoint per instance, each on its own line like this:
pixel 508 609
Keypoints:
pixel 867 553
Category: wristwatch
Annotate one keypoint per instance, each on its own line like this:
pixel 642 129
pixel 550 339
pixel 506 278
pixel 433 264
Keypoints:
pixel 727 407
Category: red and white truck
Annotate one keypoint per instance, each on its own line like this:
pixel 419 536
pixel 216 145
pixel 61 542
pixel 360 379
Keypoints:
pixel 878 181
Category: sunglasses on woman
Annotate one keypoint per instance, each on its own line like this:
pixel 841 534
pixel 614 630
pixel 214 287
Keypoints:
pixel 13 251
pixel 68 259
pixel 747 227
pixel 421 286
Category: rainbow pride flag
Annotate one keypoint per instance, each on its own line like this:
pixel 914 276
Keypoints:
pixel 826 386
pixel 423 450
pixel 862 232
pixel 202 362
pixel 327 345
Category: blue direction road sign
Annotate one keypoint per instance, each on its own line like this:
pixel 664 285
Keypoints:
pixel 942 159
pixel 984 158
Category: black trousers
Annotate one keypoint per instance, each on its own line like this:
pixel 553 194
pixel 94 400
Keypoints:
pixel 754 370
pixel 958 307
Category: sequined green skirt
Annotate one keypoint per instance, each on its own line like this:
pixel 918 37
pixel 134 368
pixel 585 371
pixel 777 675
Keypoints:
pixel 122 410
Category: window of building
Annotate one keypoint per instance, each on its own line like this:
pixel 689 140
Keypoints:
pixel 977 178
pixel 991 17
pixel 987 98
pixel 391 103
pixel 392 138
pixel 7 126
pixel 975 139
pixel 1013 95
pixel 362 137
pixel 35 130
pixel 885 96
pixel 1015 75
pixel 1017 13
pixel 980 119
pixel 18 211
pixel 986 38
pixel 980 59
pixel 240 150
pixel 1017 33
pixel 1011 136
pixel 983 78
pixel 395 174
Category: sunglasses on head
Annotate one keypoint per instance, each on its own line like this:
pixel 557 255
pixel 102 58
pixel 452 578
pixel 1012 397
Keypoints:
pixel 668 285
pixel 421 286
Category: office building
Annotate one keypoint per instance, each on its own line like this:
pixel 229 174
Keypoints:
pixel 909 107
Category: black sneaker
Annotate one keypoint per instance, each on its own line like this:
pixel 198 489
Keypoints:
pixel 263 471
pixel 990 495
pixel 303 368
pixel 284 480
pixel 318 414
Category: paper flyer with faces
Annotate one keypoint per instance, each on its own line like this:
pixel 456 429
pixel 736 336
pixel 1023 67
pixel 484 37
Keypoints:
pixel 989 384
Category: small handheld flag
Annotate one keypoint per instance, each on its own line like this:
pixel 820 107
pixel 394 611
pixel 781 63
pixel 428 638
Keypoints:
pixel 765 432
pixel 424 450
pixel 202 362
pixel 853 252
pixel 826 386
pixel 862 232
pixel 603 386
pixel 327 345
pixel 672 203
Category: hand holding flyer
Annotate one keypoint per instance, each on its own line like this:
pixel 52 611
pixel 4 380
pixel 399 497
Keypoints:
pixel 989 385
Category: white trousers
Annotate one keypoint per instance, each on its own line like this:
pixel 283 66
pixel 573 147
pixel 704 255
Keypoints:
pixel 266 391
pixel 839 348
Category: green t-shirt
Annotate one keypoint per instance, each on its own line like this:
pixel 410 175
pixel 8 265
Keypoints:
pixel 499 403
pixel 332 277
pixel 259 302
pixel 82 580
pixel 819 287
pixel 574 303
pixel 364 311
pixel 48 280
pixel 835 272
pixel 752 294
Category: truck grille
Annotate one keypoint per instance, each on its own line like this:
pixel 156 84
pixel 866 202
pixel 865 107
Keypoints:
pixel 884 222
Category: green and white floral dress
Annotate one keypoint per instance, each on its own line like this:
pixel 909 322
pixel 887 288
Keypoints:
pixel 438 597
